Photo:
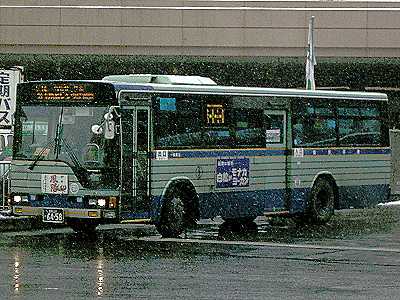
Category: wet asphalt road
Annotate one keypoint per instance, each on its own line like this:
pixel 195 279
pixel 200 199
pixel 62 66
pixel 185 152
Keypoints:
pixel 279 262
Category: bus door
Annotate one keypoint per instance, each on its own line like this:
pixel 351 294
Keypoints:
pixel 276 138
pixel 135 160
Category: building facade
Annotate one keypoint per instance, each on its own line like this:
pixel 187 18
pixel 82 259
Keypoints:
pixel 200 28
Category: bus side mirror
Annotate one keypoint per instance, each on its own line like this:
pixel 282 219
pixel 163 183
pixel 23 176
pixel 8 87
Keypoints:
pixel 97 129
pixel 109 127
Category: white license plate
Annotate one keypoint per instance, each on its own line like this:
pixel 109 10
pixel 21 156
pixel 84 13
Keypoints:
pixel 53 215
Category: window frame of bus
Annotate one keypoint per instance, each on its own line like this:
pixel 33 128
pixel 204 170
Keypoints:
pixel 336 104
pixel 203 100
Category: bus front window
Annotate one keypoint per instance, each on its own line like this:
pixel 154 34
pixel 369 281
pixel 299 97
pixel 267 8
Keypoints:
pixel 63 134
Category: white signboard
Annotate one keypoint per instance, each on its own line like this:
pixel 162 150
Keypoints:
pixel 272 136
pixel 8 92
pixel 54 184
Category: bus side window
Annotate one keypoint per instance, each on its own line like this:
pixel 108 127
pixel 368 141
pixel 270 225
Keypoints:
pixel 248 127
pixel 178 122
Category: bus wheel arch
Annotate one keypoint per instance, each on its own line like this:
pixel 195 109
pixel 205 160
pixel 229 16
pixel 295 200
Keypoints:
pixel 179 208
pixel 322 199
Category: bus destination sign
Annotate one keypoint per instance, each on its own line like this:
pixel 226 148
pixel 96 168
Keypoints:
pixel 64 91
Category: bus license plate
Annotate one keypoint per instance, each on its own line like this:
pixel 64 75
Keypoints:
pixel 53 215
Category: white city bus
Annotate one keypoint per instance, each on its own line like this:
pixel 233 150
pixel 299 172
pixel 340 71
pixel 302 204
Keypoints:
pixel 170 150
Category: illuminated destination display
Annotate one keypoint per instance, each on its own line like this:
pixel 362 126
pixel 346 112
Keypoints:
pixel 64 91
pixel 215 114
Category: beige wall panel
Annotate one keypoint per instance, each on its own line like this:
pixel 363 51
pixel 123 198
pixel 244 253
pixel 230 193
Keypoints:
pixel 213 37
pixel 341 52
pixel 274 37
pixel 90 17
pixel 275 4
pixel 338 19
pixel 336 4
pixel 162 3
pixel 341 38
pixel 90 2
pixel 29 16
pixel 274 18
pixel 213 18
pixel 153 36
pixel 151 17
pixel 36 35
pixel 384 19
pixel 388 52
pixel 380 38
pixel 90 36
pixel 29 2
pixel 249 28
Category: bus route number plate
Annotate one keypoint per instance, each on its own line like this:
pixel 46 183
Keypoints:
pixel 53 215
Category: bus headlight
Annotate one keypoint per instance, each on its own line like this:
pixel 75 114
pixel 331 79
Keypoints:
pixel 17 199
pixel 101 202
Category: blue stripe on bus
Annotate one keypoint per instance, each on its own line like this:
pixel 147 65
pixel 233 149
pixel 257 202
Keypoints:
pixel 267 152
pixel 255 203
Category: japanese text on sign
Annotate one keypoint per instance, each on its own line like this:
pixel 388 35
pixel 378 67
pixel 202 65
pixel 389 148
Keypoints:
pixel 232 173
pixel 54 184
pixel 8 89
pixel 63 92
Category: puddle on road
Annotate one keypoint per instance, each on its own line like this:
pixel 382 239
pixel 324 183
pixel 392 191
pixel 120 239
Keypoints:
pixel 344 225
pixel 118 243
pixel 33 258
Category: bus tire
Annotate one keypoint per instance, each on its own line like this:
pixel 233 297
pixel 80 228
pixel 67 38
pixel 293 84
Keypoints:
pixel 321 203
pixel 172 222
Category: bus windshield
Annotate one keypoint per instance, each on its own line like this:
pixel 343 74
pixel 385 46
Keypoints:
pixel 61 133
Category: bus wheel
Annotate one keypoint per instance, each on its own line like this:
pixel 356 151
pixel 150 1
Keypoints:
pixel 83 227
pixel 321 202
pixel 172 222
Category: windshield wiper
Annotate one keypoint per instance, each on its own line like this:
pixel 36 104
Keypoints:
pixel 56 141
pixel 40 154
pixel 59 132
pixel 81 172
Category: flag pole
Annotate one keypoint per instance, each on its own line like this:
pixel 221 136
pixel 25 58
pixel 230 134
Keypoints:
pixel 311 61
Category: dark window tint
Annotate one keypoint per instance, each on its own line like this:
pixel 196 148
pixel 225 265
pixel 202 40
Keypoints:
pixel 314 124
pixel 318 124
pixel 178 122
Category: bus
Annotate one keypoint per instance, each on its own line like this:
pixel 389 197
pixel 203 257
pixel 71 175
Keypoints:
pixel 170 150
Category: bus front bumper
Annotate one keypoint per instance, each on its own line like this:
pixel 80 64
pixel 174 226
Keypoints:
pixel 67 212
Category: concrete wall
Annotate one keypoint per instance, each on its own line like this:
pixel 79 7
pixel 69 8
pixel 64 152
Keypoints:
pixel 195 27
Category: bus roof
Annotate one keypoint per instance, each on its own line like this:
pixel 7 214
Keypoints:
pixel 251 91
pixel 226 90
pixel 204 85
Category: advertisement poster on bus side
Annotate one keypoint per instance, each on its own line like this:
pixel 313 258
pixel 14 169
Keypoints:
pixel 232 172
